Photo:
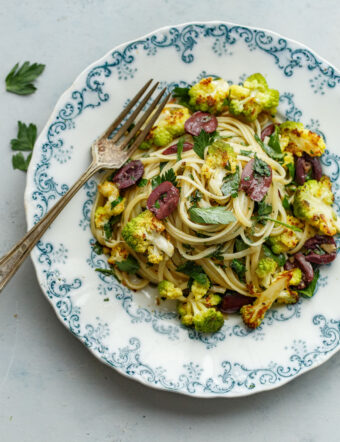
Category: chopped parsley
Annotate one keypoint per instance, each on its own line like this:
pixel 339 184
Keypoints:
pixel 231 184
pixel 108 227
pixel 194 271
pixel 180 146
pixel 116 202
pixel 260 168
pixel 97 248
pixel 202 141
pixel 169 175
pixel 129 265
pixel 143 182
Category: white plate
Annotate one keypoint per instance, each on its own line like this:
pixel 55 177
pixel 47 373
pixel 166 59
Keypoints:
pixel 127 330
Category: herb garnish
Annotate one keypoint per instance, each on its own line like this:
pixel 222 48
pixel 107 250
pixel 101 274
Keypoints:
pixel 231 184
pixel 20 79
pixel 169 175
pixel 116 202
pixel 24 142
pixel 107 272
pixel 202 141
pixel 239 268
pixel 309 291
pixel 273 148
pixel 260 168
pixel 195 272
pixel 180 145
pixel 142 182
pixel 108 227
pixel 211 215
pixel 129 265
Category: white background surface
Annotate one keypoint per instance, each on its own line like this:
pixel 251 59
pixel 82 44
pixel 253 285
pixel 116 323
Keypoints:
pixel 51 388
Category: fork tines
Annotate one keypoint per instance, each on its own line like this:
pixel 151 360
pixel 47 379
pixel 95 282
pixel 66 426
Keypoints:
pixel 152 111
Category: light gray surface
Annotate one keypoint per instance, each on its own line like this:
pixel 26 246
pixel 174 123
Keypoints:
pixel 51 388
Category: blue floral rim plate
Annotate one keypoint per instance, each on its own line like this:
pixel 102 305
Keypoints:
pixel 127 330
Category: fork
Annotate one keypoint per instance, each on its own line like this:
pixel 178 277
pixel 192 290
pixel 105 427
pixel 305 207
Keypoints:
pixel 107 153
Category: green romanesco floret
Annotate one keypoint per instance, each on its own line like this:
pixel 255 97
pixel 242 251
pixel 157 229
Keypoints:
pixel 211 300
pixel 113 206
pixel 169 126
pixel 297 140
pixel 143 234
pixel 265 270
pixel 313 204
pixel 118 254
pixel 168 290
pixel 253 314
pixel 209 95
pixel 252 98
pixel 287 295
pixel 200 314
pixel 288 239
pixel 220 160
pixel 200 289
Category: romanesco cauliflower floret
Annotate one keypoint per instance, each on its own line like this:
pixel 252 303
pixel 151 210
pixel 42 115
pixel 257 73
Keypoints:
pixel 113 206
pixel 200 289
pixel 118 254
pixel 201 315
pixel 296 139
pixel 287 295
pixel 288 239
pixel 169 125
pixel 252 98
pixel 168 290
pixel 220 160
pixel 143 234
pixel 313 204
pixel 208 95
pixel 265 270
pixel 253 314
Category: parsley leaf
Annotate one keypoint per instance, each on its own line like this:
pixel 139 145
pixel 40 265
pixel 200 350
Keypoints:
pixel 286 204
pixel 239 268
pixel 180 145
pixel 20 162
pixel 97 248
pixel 217 253
pixel 107 272
pixel 273 149
pixel 291 169
pixel 26 137
pixel 182 94
pixel 260 168
pixel 20 80
pixel 309 291
pixel 240 245
pixel 202 141
pixel 231 184
pixel 116 202
pixel 211 215
pixel 279 259
pixel 247 153
pixel 24 142
pixel 108 227
pixel 162 165
pixel 194 271
pixel 196 196
pixel 264 208
pixel 129 265
pixel 169 175
pixel 143 182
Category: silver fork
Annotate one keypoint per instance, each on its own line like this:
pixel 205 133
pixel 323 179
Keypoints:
pixel 107 153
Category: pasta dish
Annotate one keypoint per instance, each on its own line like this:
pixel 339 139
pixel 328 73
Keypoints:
pixel 224 206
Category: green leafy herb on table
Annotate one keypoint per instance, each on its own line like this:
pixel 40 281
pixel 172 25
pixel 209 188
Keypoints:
pixel 20 79
pixel 24 142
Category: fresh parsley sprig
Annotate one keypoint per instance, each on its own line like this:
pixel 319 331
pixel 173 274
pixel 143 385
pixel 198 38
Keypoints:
pixel 169 175
pixel 20 79
pixel 24 142
pixel 202 141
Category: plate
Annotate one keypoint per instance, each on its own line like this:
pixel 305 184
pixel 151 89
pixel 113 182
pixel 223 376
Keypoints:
pixel 127 330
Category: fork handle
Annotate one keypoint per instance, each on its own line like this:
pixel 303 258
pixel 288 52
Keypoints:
pixel 11 262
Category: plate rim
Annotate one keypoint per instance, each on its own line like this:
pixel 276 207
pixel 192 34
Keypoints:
pixel 29 222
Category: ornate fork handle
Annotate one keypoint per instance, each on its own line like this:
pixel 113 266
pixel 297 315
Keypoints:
pixel 107 153
pixel 10 262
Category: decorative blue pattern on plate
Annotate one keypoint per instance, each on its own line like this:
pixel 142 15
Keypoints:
pixel 127 330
